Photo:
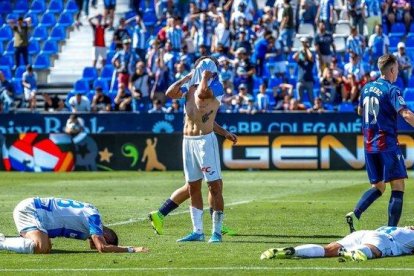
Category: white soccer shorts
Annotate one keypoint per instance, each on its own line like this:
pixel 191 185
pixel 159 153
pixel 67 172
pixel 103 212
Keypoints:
pixel 26 218
pixel 381 241
pixel 201 158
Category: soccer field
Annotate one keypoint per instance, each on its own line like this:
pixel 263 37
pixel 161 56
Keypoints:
pixel 267 209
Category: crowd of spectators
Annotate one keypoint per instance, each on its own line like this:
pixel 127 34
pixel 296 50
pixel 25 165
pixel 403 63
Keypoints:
pixel 291 55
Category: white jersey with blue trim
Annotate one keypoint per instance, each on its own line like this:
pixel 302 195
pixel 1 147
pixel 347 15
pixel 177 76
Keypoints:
pixel 68 218
pixel 402 237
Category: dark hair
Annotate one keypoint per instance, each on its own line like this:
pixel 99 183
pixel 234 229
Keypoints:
pixel 110 236
pixel 385 62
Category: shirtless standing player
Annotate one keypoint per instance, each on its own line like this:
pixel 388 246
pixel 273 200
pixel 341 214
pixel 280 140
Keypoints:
pixel 200 147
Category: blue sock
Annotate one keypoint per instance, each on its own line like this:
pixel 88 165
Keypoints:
pixel 168 207
pixel 395 207
pixel 366 200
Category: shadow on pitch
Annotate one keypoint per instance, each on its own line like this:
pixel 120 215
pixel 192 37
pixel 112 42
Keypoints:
pixel 291 236
pixel 61 251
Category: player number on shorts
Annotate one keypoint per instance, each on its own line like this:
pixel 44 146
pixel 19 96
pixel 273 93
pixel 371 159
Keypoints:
pixel 64 203
pixel 371 107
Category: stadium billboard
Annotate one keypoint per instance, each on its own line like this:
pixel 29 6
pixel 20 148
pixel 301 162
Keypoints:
pixel 95 123
pixel 34 152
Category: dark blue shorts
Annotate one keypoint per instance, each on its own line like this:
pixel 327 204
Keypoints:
pixel 109 4
pixel 385 166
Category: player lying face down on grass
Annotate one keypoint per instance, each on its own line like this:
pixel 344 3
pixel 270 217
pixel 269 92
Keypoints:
pixel 356 247
pixel 40 219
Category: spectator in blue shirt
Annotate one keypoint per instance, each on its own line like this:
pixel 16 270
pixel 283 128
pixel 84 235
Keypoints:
pixel 378 45
pixel 124 62
pixel 325 14
pixel 261 47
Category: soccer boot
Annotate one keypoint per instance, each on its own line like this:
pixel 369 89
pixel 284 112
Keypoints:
pixel 193 236
pixel 352 256
pixel 157 222
pixel 215 238
pixel 352 221
pixel 228 231
pixel 278 253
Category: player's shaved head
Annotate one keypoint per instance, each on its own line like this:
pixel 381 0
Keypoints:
pixel 110 236
pixel 385 62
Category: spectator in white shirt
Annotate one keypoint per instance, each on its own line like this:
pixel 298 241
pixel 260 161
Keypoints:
pixel 79 103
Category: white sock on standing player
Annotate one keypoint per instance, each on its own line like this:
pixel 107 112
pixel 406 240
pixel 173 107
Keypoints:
pixel 197 219
pixel 18 245
pixel 217 218
pixel 310 251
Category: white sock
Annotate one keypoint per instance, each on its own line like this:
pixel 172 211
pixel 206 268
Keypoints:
pixel 366 250
pixel 310 251
pixel 197 219
pixel 218 217
pixel 18 245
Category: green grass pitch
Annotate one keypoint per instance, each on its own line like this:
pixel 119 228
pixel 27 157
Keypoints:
pixel 267 209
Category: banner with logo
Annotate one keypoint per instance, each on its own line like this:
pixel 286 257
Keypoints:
pixel 59 152
pixel 95 123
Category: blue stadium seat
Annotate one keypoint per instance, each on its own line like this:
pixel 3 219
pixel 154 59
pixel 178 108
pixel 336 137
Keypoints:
pixel 409 42
pixel 38 6
pixel 71 6
pixel 12 16
pixel 398 29
pixel 346 107
pixel 409 94
pixel 109 57
pixel 90 74
pixel 1 21
pixel 18 87
pixel 34 18
pixel 40 33
pixel 273 82
pixel 81 86
pixel 55 6
pixel 411 81
pixel 42 62
pixel 7 60
pixel 5 7
pixel 6 33
pixel 18 74
pixel 50 47
pixel 103 83
pixel 149 17
pixel 34 47
pixel 48 20
pixel 66 19
pixel 21 6
pixel 328 107
pixel 129 14
pixel 257 81
pixel 6 72
pixel 58 33
pixel 10 48
pixel 107 72
pixel 394 41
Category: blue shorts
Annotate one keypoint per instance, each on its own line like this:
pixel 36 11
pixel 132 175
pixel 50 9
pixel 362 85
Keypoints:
pixel 109 4
pixel 385 166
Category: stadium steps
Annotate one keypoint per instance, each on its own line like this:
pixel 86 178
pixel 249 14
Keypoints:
pixel 78 52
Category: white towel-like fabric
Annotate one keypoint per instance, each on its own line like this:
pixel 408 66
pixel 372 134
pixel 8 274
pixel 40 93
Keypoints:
pixel 204 65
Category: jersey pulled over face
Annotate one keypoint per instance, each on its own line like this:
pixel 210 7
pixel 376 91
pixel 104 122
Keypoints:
pixel 380 103
pixel 68 218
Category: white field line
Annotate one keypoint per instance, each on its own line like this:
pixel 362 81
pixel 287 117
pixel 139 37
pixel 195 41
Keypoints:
pixel 229 268
pixel 133 220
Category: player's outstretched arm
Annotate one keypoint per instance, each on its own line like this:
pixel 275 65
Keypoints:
pixel 408 116
pixel 98 242
pixel 174 91
pixel 222 132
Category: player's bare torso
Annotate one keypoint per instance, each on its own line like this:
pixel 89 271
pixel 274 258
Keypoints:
pixel 199 114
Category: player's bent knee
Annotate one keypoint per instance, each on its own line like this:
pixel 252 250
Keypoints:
pixel 398 185
pixel 332 249
pixel 380 186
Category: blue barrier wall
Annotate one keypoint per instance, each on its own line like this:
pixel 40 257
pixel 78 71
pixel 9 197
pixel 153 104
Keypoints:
pixel 168 123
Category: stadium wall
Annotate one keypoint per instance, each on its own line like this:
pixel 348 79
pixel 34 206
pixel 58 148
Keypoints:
pixel 146 152
pixel 331 123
